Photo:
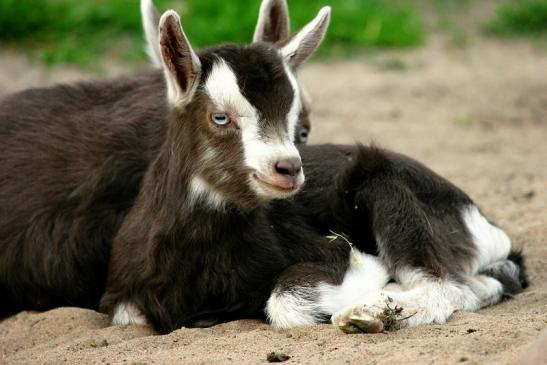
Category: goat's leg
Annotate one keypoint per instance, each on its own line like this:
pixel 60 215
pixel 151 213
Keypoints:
pixel 420 299
pixel 433 258
pixel 309 293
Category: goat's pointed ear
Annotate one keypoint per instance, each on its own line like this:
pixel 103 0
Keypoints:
pixel 307 40
pixel 273 22
pixel 150 24
pixel 181 65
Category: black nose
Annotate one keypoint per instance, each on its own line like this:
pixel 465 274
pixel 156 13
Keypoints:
pixel 289 167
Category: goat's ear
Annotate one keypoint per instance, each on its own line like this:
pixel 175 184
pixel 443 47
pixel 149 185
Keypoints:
pixel 307 40
pixel 181 65
pixel 150 24
pixel 273 22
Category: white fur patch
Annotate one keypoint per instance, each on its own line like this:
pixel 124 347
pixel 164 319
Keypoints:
pixel 424 299
pixel 492 243
pixel 435 298
pixel 126 314
pixel 303 306
pixel 223 89
pixel 296 107
pixel 200 191
pixel 488 290
pixel 367 275
pixel 293 309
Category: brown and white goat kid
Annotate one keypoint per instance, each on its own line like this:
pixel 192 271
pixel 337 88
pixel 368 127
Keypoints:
pixel 273 26
pixel 228 151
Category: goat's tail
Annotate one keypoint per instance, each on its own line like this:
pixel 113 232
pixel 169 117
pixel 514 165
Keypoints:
pixel 511 273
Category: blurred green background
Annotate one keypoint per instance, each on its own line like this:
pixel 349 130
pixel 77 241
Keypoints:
pixel 80 32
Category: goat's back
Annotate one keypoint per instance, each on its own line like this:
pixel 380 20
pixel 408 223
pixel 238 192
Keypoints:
pixel 70 167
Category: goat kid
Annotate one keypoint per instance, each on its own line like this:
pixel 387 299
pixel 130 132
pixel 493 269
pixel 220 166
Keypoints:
pixel 273 26
pixel 228 151
pixel 198 238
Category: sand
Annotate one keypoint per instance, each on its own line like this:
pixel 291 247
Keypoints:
pixel 477 115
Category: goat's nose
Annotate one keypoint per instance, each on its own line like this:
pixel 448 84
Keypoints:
pixel 289 167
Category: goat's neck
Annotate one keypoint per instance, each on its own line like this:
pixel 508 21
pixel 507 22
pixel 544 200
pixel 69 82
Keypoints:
pixel 175 196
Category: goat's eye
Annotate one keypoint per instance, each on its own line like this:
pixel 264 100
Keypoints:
pixel 303 134
pixel 220 118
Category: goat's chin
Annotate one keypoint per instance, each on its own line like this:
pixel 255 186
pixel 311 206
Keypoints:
pixel 266 192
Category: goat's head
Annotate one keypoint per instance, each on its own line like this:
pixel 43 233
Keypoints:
pixel 235 109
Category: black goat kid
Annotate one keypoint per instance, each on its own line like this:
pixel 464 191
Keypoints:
pixel 194 206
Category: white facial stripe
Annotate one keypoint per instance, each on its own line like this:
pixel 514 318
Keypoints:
pixel 296 106
pixel 262 155
pixel 222 87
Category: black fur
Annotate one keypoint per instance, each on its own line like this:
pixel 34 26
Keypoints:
pixel 511 273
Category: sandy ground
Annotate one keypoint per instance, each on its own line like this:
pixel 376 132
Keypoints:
pixel 477 115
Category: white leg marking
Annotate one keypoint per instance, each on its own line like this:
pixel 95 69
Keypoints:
pixel 366 274
pixel 488 290
pixel 423 299
pixel 305 306
pixel 293 309
pixel 126 314
pixel 492 243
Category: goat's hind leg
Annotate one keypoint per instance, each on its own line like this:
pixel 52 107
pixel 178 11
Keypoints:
pixel 309 293
pixel 430 300
pixel 421 297
pixel 436 276
pixel 427 251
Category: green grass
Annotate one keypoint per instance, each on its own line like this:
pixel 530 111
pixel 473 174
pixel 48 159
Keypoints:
pixel 79 32
pixel 520 17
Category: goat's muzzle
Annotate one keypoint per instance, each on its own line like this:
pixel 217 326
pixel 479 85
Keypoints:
pixel 286 176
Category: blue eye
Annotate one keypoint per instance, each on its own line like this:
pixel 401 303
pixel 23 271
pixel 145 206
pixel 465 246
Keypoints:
pixel 220 118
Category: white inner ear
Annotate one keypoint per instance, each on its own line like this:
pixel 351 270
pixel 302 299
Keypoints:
pixel 305 35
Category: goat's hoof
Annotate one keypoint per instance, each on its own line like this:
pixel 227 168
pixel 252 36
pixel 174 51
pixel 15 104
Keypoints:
pixel 357 320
